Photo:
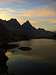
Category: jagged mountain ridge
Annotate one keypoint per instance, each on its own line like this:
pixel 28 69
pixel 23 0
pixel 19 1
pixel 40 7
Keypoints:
pixel 14 31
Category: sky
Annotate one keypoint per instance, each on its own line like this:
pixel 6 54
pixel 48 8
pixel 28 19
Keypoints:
pixel 41 13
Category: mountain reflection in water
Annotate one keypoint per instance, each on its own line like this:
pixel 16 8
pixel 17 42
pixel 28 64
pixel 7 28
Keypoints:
pixel 32 62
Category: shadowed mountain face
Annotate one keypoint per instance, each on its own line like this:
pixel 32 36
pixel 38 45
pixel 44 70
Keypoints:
pixel 13 25
pixel 28 30
pixel 3 31
pixel 11 30
pixel 27 27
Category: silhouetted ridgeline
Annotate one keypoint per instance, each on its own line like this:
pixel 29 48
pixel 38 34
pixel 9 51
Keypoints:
pixel 11 30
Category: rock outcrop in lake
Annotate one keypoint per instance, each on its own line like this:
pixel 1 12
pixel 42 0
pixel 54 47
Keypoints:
pixel 25 48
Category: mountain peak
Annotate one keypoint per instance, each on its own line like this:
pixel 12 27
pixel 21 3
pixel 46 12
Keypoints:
pixel 27 21
pixel 13 19
pixel 27 24
pixel 14 22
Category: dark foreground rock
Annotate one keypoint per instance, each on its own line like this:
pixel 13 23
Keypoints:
pixel 3 60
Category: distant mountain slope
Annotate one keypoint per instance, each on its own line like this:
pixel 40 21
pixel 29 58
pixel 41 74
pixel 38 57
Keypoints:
pixel 31 32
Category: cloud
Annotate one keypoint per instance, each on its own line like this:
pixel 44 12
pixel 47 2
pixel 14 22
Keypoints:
pixel 7 13
pixel 39 1
pixel 7 0
pixel 6 10
pixel 52 6
pixel 40 12
pixel 13 1
pixel 28 3
pixel 52 21
pixel 39 17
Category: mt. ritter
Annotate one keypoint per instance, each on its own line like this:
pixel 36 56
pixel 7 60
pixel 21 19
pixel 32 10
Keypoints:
pixel 11 30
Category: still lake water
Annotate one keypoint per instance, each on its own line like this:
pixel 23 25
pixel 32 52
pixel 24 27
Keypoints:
pixel 35 61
